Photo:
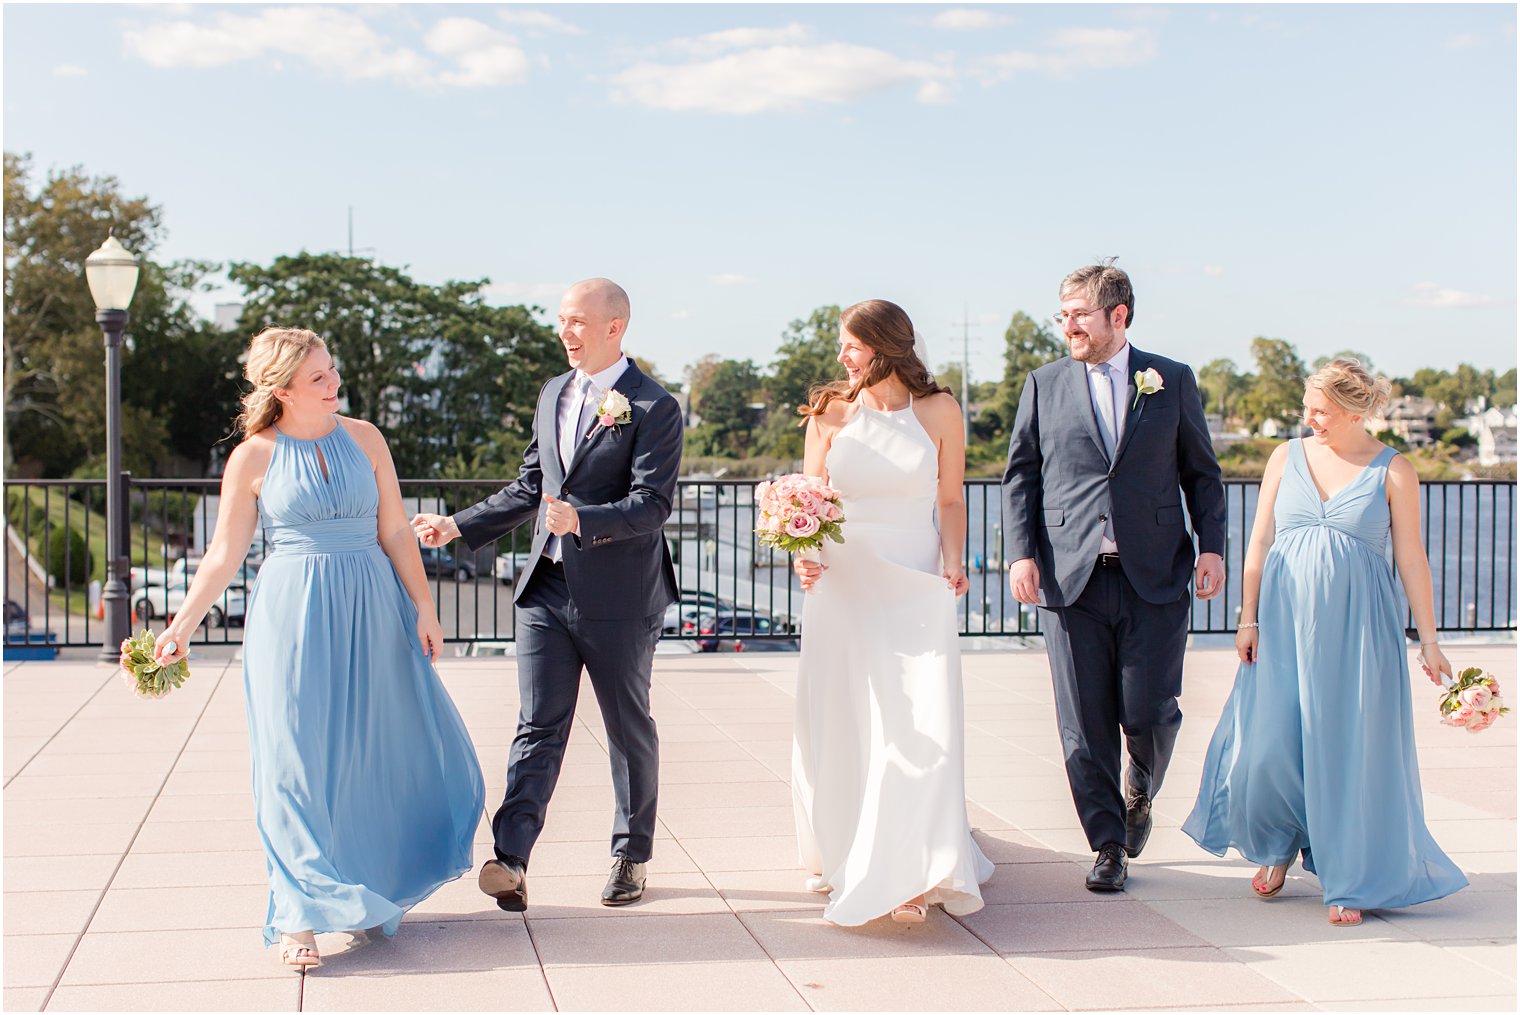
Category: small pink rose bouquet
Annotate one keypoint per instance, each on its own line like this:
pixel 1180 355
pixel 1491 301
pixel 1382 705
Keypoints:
pixel 798 512
pixel 142 675
pixel 1471 701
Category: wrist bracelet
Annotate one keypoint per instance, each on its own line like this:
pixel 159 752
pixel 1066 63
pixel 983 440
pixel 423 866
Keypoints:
pixel 1244 626
pixel 1426 644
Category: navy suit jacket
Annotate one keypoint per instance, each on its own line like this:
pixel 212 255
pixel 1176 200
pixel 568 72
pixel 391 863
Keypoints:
pixel 1060 484
pixel 621 482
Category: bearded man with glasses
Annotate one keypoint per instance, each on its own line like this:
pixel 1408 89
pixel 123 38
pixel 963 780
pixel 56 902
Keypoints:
pixel 1106 445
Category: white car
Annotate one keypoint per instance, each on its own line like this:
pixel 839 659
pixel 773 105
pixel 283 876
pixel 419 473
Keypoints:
pixel 509 565
pixel 155 602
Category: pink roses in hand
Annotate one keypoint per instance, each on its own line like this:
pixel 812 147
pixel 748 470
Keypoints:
pixel 798 512
pixel 1472 701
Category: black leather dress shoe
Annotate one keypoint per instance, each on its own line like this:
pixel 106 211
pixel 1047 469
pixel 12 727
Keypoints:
pixel 506 881
pixel 625 884
pixel 1137 825
pixel 1109 871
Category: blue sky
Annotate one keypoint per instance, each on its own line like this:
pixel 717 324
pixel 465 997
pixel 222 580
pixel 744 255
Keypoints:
pixel 1338 176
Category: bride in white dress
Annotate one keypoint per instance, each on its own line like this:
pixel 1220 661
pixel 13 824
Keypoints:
pixel 878 756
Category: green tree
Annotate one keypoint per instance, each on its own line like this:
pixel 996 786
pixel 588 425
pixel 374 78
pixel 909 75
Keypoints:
pixel 723 392
pixel 807 357
pixel 1455 390
pixel 1027 345
pixel 1222 386
pixel 436 367
pixel 1504 389
pixel 54 374
pixel 1277 390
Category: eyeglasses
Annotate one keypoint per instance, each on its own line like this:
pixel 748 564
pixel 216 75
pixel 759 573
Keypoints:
pixel 1078 316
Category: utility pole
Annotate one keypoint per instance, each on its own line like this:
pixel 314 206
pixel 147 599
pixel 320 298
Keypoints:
pixel 351 250
pixel 965 326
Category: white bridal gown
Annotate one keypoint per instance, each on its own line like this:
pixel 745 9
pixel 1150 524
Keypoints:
pixel 878 756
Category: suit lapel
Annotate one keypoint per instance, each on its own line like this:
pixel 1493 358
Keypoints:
pixel 627 384
pixel 1076 376
pixel 553 394
pixel 1133 407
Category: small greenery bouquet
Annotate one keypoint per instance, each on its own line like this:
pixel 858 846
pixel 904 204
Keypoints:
pixel 1472 700
pixel 142 675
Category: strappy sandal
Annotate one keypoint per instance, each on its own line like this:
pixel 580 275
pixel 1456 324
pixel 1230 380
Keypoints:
pixel 1340 916
pixel 910 912
pixel 299 954
pixel 1267 893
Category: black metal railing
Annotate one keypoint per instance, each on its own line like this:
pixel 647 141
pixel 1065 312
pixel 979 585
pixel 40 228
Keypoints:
pixel 733 588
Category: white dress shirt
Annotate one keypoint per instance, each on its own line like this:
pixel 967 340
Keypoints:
pixel 575 415
pixel 1118 365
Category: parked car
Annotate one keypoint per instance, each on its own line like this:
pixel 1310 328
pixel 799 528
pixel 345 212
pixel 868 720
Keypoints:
pixel 437 560
pixel 156 602
pixel 725 632
pixel 510 565
pixel 708 600
pixel 684 618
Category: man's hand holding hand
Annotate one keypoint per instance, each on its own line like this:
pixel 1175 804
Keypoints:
pixel 434 530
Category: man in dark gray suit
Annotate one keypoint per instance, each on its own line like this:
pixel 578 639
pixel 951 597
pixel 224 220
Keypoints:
pixel 1102 443
pixel 597 480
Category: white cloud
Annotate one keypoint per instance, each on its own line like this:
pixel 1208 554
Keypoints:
pixel 729 278
pixel 935 93
pixel 1213 270
pixel 337 40
pixel 1077 49
pixel 1467 40
pixel 538 21
pixel 966 19
pixel 741 38
pixel 482 55
pixel 681 315
pixel 1431 294
pixel 771 78
pixel 69 70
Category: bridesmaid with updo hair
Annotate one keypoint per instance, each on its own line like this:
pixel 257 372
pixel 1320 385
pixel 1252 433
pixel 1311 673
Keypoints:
pixel 1314 755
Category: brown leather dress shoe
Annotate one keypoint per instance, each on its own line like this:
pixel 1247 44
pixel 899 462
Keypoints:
pixel 506 881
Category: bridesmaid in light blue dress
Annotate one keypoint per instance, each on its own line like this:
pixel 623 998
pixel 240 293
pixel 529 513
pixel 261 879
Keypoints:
pixel 367 792
pixel 1315 751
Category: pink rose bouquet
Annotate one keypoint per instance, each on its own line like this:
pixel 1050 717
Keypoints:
pixel 142 675
pixel 1471 701
pixel 797 513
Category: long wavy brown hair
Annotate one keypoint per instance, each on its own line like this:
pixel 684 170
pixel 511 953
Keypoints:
pixel 885 329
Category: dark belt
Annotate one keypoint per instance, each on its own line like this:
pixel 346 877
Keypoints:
pixel 1108 560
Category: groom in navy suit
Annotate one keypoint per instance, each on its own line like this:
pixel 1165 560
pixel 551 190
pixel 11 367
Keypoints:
pixel 1106 445
pixel 597 482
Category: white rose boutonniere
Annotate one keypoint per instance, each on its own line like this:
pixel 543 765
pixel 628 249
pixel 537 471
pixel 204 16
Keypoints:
pixel 1147 382
pixel 614 411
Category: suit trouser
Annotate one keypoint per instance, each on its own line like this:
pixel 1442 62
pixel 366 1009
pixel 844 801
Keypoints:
pixel 1116 663
pixel 553 643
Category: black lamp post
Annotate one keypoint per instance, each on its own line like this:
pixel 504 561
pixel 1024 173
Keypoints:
pixel 112 274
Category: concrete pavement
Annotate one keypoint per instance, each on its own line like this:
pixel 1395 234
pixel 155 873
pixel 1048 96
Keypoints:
pixel 133 877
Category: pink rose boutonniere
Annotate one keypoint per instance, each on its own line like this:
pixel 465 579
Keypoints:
pixel 613 411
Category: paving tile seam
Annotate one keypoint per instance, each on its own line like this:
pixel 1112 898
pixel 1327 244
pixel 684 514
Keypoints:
pixel 543 973
pixel 122 858
pixel 105 682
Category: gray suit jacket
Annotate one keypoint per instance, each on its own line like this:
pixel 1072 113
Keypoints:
pixel 1060 485
pixel 622 482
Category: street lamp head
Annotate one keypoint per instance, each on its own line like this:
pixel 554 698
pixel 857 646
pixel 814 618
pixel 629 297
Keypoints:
pixel 112 274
